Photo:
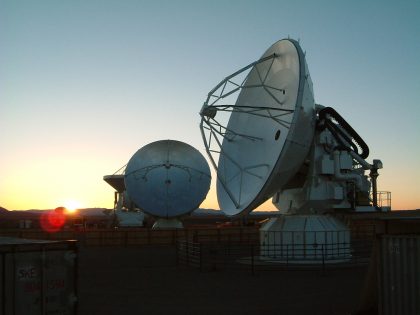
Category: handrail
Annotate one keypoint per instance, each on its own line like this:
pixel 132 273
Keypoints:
pixel 254 257
pixel 384 199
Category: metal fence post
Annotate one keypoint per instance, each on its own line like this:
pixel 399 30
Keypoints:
pixel 43 284
pixel 201 256
pixel 187 254
pixel 252 260
pixel 3 285
pixel 177 254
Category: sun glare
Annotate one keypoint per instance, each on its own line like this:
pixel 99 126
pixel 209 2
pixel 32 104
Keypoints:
pixel 72 205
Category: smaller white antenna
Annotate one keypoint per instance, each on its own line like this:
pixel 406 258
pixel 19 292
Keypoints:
pixel 167 179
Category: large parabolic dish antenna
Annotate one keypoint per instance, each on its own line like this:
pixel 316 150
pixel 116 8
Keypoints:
pixel 258 142
pixel 167 178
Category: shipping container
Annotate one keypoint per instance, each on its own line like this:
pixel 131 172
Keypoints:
pixel 38 277
pixel 399 275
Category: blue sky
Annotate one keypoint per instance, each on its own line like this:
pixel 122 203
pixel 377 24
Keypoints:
pixel 84 84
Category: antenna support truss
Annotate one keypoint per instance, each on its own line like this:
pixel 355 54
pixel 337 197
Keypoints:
pixel 214 131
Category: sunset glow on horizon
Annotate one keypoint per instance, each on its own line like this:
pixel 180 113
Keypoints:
pixel 72 205
pixel 85 84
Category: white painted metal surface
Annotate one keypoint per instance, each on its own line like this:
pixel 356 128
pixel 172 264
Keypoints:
pixel 129 218
pixel 305 239
pixel 167 178
pixel 277 142
pixel 269 131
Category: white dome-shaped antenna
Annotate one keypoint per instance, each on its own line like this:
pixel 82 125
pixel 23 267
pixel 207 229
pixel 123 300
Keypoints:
pixel 253 142
pixel 167 178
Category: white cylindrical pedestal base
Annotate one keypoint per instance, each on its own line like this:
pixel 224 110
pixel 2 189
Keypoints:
pixel 305 239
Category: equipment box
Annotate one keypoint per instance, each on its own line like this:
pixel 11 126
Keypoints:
pixel 38 277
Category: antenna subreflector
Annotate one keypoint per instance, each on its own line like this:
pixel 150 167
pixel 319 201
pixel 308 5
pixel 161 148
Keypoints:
pixel 253 141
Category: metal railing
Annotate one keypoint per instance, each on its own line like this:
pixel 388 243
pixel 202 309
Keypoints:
pixel 140 236
pixel 189 254
pixel 306 252
pixel 384 199
pixel 254 257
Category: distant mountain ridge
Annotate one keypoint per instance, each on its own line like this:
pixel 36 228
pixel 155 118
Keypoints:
pixel 3 210
pixel 104 211
pixel 83 211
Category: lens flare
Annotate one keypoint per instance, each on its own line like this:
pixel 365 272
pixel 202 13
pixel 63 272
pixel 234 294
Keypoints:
pixel 52 221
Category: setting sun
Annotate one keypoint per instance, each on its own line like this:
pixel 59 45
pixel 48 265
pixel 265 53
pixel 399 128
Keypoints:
pixel 72 205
